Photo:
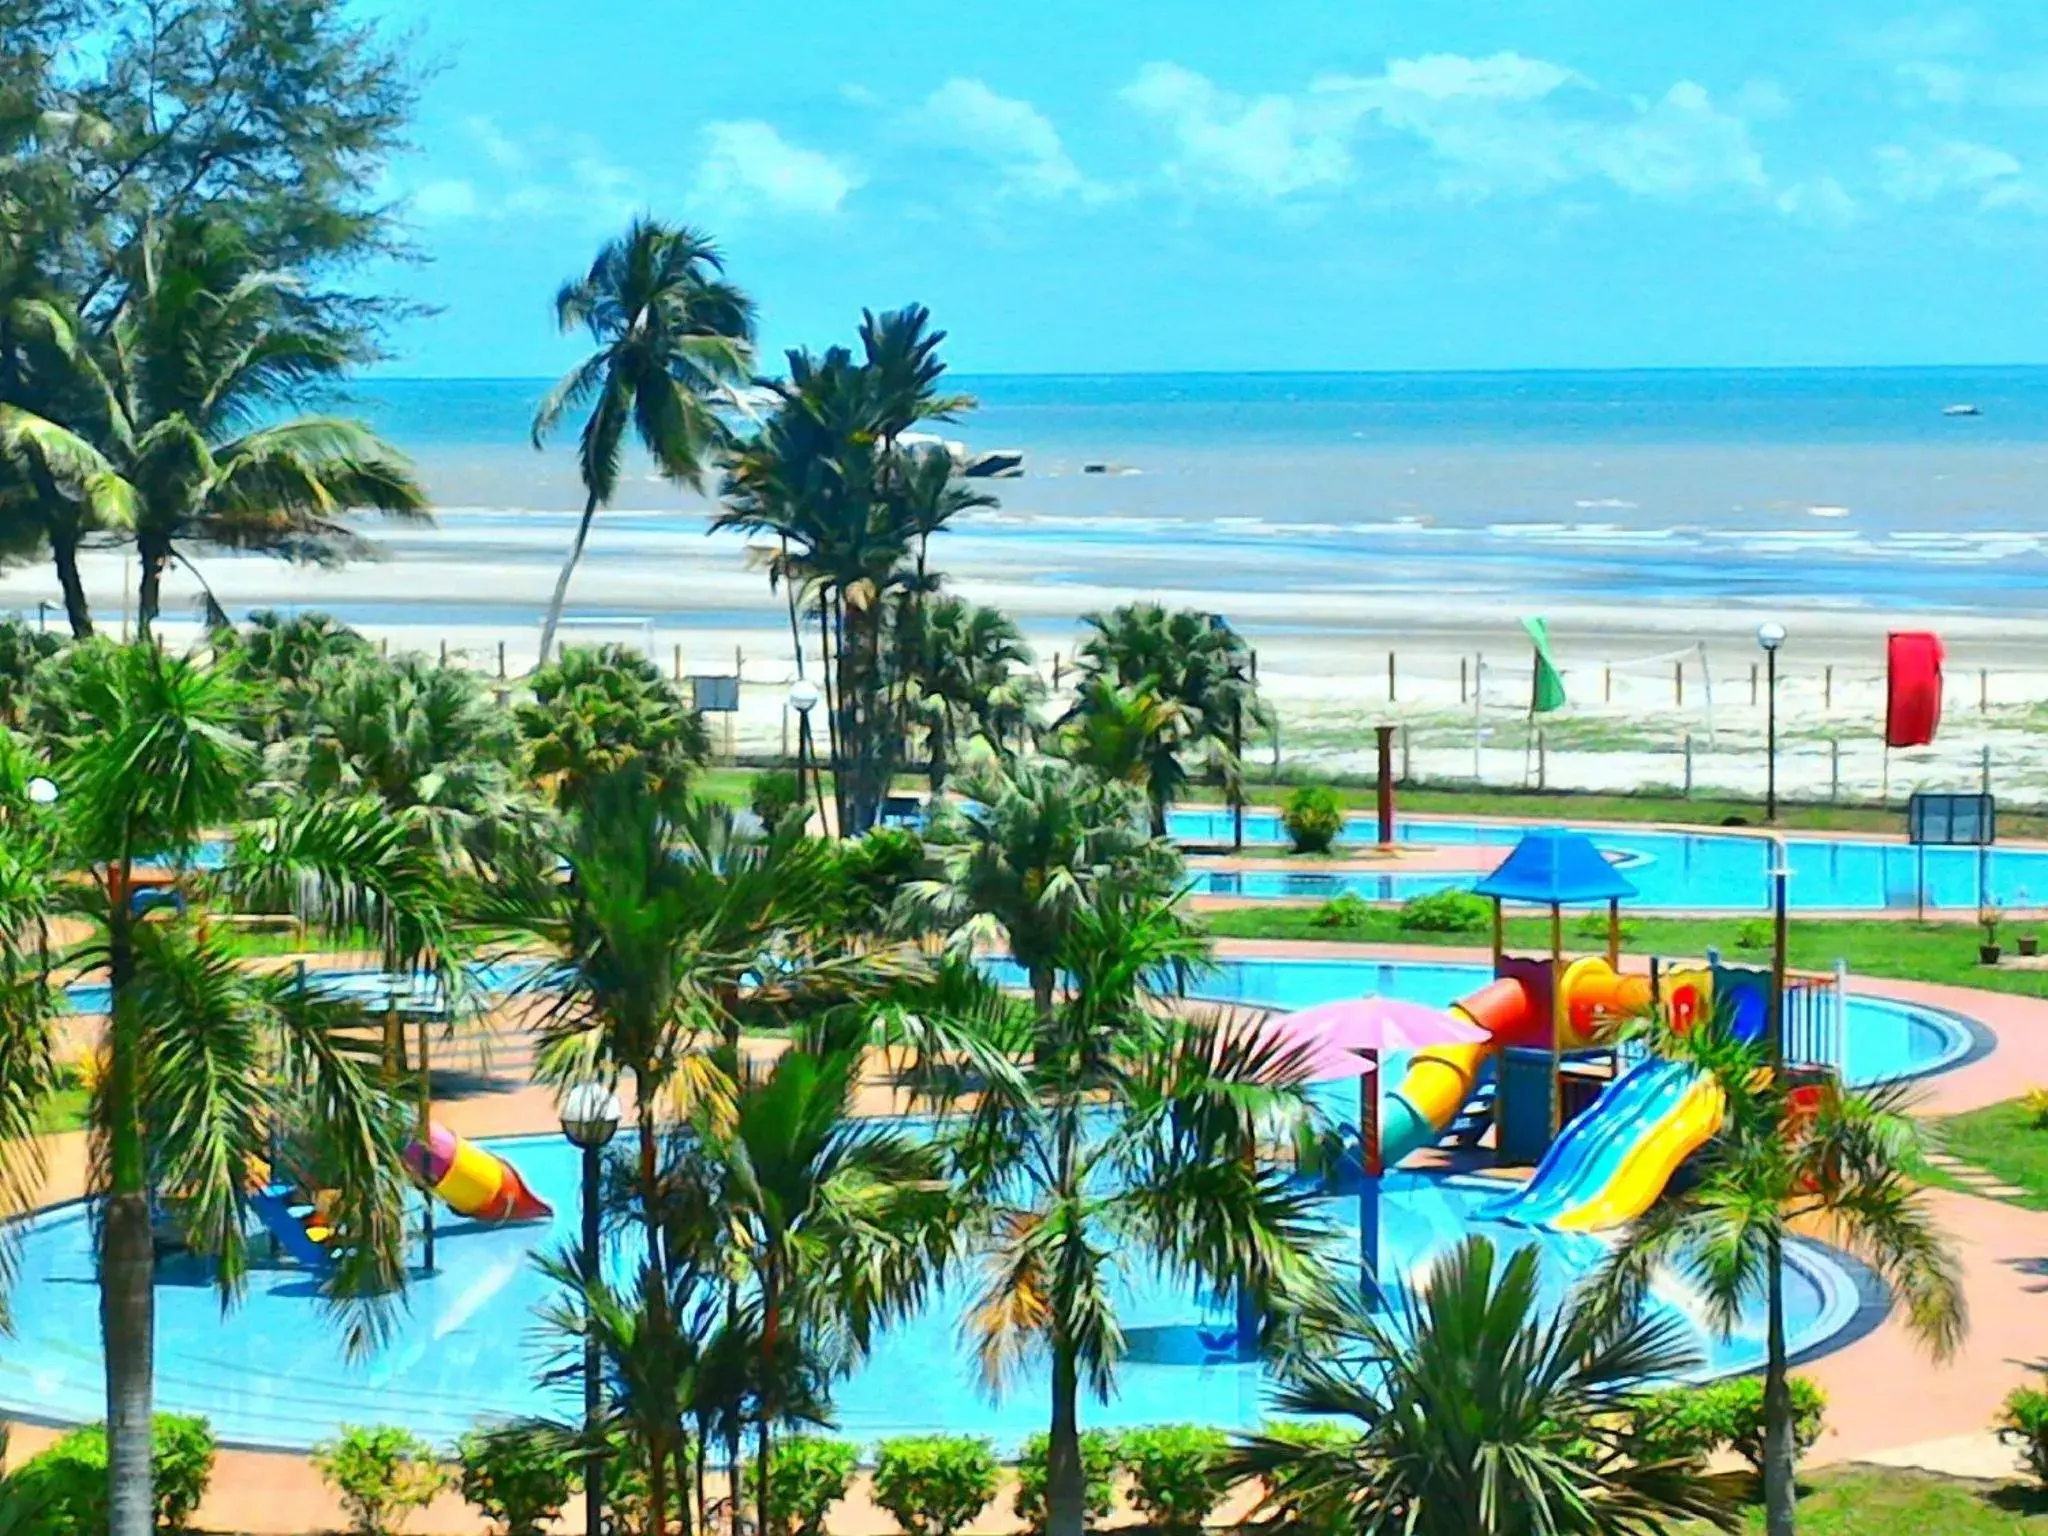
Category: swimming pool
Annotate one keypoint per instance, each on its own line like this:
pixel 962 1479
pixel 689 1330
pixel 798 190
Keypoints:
pixel 1672 871
pixel 271 1373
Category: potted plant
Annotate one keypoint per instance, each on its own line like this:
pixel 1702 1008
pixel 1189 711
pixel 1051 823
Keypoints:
pixel 1988 919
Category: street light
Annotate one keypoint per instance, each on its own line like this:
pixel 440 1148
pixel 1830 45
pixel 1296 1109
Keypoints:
pixel 1781 875
pixel 803 698
pixel 41 791
pixel 590 1116
pixel 1770 636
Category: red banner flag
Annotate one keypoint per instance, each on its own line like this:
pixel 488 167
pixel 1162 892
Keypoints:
pixel 1912 707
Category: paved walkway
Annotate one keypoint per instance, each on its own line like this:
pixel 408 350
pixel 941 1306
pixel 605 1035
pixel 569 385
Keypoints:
pixel 1888 1402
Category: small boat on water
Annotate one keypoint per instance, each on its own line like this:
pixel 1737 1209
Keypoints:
pixel 1960 410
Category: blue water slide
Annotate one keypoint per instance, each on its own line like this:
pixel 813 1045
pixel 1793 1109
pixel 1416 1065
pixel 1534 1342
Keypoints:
pixel 1580 1162
pixel 290 1231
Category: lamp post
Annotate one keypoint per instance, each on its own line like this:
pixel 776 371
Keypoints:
pixel 590 1118
pixel 1781 875
pixel 1770 636
pixel 803 698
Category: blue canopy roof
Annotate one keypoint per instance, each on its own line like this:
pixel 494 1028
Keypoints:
pixel 1552 865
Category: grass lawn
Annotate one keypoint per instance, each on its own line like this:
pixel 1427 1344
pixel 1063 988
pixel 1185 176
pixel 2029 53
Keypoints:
pixel 1879 1502
pixel 2004 1141
pixel 65 1111
pixel 1905 951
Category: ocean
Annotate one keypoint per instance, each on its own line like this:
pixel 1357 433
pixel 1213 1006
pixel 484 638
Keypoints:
pixel 1825 488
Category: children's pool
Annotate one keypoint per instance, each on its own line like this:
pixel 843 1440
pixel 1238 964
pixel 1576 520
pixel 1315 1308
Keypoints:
pixel 1672 871
pixel 273 1373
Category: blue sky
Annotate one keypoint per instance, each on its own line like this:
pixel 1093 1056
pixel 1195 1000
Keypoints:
pixel 1211 184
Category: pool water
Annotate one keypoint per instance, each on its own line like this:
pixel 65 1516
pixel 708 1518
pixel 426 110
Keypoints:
pixel 272 1373
pixel 1672 871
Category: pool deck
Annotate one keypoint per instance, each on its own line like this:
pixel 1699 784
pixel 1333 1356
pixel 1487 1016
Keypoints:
pixel 1888 1401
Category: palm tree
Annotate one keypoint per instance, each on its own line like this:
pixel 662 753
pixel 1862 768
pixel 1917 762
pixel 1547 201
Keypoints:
pixel 1193 661
pixel 285 659
pixel 1132 1137
pixel 1477 1414
pixel 672 339
pixel 673 934
pixel 597 710
pixel 1040 840
pixel 429 742
pixel 972 677
pixel 1130 734
pixel 838 1226
pixel 197 1054
pixel 852 508
pixel 1792 1157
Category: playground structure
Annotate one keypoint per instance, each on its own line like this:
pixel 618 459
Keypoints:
pixel 1608 1145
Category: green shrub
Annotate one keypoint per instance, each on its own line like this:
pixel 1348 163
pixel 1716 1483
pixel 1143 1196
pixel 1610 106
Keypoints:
pixel 872 869
pixel 2023 1422
pixel 382 1475
pixel 1099 1452
pixel 1313 817
pixel 1593 925
pixel 1348 910
pixel 773 794
pixel 66 1485
pixel 808 1476
pixel 934 1484
pixel 520 1476
pixel 1309 1434
pixel 1451 911
pixel 1754 934
pixel 1692 1423
pixel 1177 1474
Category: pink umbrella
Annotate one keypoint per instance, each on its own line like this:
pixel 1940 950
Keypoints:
pixel 1333 1036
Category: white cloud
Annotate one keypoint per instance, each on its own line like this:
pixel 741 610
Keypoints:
pixel 1008 132
pixel 1509 123
pixel 448 199
pixel 1823 200
pixel 1258 147
pixel 1950 167
pixel 502 151
pixel 748 164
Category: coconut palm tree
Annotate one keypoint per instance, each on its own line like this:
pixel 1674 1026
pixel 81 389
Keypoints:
pixel 838 1226
pixel 285 659
pixel 1041 838
pixel 1792 1157
pixel 673 340
pixel 599 709
pixel 1130 734
pixel 197 1054
pixel 971 677
pixel 674 934
pixel 1132 1137
pixel 1479 1413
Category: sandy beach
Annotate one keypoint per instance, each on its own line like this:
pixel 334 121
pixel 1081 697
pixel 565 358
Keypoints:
pixel 1661 694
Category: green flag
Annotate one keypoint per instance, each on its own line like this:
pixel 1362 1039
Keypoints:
pixel 1548 692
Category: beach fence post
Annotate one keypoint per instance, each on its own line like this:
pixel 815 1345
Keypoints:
pixel 1983 690
pixel 1390 677
pixel 1752 685
pixel 1542 762
pixel 501 661
pixel 383 645
pixel 1478 691
pixel 1984 766
pixel 676 663
pixel 444 650
pixel 1827 687
pixel 1464 686
pixel 1407 762
pixel 1055 671
pixel 1607 685
pixel 1688 765
pixel 1834 769
pixel 1678 685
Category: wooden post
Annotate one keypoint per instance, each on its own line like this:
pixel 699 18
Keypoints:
pixel 1385 798
pixel 1614 933
pixel 1834 769
pixel 383 645
pixel 444 650
pixel 1607 685
pixel 1390 677
pixel 1499 935
pixel 1055 671
pixel 1542 763
pixel 676 672
pixel 1752 685
pixel 1688 765
pixel 501 660
pixel 1827 686
pixel 1678 684
pixel 1464 690
pixel 1407 761
pixel 1983 691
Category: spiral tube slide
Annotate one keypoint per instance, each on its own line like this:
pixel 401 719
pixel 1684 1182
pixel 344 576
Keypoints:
pixel 473 1182
pixel 1441 1079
